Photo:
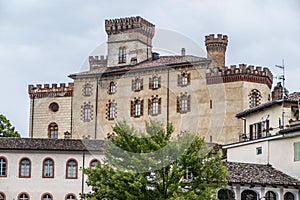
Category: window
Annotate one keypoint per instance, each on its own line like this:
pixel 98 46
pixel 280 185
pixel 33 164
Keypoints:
pixel 86 112
pixel 137 108
pixel 54 107
pixel 258 150
pixel 225 194
pixel 249 195
pixel 184 103
pixel 70 197
pixel 154 82
pixel 71 169
pixel 3 167
pixel 137 84
pixel 48 168
pixel 259 130
pixel 24 168
pixel 87 91
pixel 23 196
pixel 270 195
pixel 94 163
pixel 255 97
pixel 154 106
pixel 47 197
pixel 2 196
pixel 112 88
pixel 53 131
pixel 184 79
pixel 111 111
pixel 289 196
pixel 297 151
pixel 122 55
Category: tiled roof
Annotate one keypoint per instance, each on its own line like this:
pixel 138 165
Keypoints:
pixel 50 144
pixel 257 174
pixel 295 96
pixel 163 60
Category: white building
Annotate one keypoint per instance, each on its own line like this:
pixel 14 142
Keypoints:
pixel 45 168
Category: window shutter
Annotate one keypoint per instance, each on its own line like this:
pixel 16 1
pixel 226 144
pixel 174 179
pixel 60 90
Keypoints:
pixel 178 104
pixel 251 131
pixel 133 85
pixel 159 106
pixel 259 130
pixel 159 79
pixel 189 78
pixel 142 107
pixel 150 83
pixel 267 125
pixel 296 151
pixel 132 108
pixel 149 107
pixel 141 81
pixel 179 80
pixel 189 103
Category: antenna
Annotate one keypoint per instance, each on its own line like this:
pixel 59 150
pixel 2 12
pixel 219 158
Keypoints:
pixel 282 77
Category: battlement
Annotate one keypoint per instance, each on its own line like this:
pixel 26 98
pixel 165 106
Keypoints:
pixel 96 62
pixel 212 40
pixel 42 91
pixel 241 73
pixel 115 26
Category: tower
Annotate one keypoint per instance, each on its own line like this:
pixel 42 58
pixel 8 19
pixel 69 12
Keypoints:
pixel 129 40
pixel 216 49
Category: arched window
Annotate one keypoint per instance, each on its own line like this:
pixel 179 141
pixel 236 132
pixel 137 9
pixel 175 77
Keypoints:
pixel 155 82
pixel 24 168
pixel 137 108
pixel 225 194
pixel 289 196
pixel 183 103
pixel 47 197
pixel 3 167
pixel 23 196
pixel 94 163
pixel 270 195
pixel 48 168
pixel 249 195
pixel 87 112
pixel 112 108
pixel 122 55
pixel 70 197
pixel 71 169
pixel 154 106
pixel 2 196
pixel 255 97
pixel 112 88
pixel 87 90
pixel 53 131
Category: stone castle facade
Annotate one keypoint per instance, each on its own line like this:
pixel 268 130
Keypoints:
pixel 133 83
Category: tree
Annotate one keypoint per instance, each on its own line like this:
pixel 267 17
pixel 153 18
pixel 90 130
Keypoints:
pixel 6 129
pixel 156 165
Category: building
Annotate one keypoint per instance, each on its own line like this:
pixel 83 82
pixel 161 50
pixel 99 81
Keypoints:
pixel 32 168
pixel 133 83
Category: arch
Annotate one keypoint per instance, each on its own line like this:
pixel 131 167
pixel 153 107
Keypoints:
pixel 3 166
pixel 249 195
pixel 254 98
pixel 270 195
pixel 46 196
pixel 23 196
pixel 72 169
pixel 2 196
pixel 25 168
pixel 48 168
pixel 54 107
pixel 94 163
pixel 112 87
pixel 53 130
pixel 87 90
pixel 225 194
pixel 70 196
pixel 289 196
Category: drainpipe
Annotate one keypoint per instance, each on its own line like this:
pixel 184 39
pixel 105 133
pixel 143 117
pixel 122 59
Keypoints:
pixel 82 175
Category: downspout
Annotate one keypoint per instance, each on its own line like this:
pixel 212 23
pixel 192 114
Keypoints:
pixel 96 112
pixel 71 131
pixel 82 175
pixel 168 95
pixel 32 115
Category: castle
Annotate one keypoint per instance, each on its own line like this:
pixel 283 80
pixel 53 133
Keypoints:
pixel 133 83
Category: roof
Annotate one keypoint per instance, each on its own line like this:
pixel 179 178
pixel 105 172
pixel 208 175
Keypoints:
pixel 258 174
pixel 148 64
pixel 295 96
pixel 50 144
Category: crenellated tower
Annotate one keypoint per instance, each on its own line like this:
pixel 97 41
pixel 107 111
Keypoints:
pixel 129 40
pixel 216 49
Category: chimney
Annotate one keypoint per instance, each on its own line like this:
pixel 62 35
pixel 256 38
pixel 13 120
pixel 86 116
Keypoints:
pixel 183 52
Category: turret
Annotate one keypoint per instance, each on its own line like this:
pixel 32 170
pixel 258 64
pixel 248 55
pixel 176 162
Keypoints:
pixel 216 49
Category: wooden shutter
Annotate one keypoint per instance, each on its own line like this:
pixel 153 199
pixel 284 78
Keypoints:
pixel 189 103
pixel 159 106
pixel 150 83
pixel 251 131
pixel 132 108
pixel 133 85
pixel 259 130
pixel 141 82
pixel 178 104
pixel 159 80
pixel 267 126
pixel 179 80
pixel 149 107
pixel 188 78
pixel 142 107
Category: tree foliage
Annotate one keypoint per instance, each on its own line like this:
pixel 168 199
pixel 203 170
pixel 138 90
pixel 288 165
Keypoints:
pixel 156 165
pixel 6 129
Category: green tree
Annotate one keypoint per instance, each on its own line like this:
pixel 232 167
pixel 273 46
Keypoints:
pixel 6 129
pixel 155 165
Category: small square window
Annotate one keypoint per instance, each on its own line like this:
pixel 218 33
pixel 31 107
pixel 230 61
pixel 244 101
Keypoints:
pixel 258 150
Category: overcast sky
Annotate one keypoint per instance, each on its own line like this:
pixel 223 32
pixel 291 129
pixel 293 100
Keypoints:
pixel 45 41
